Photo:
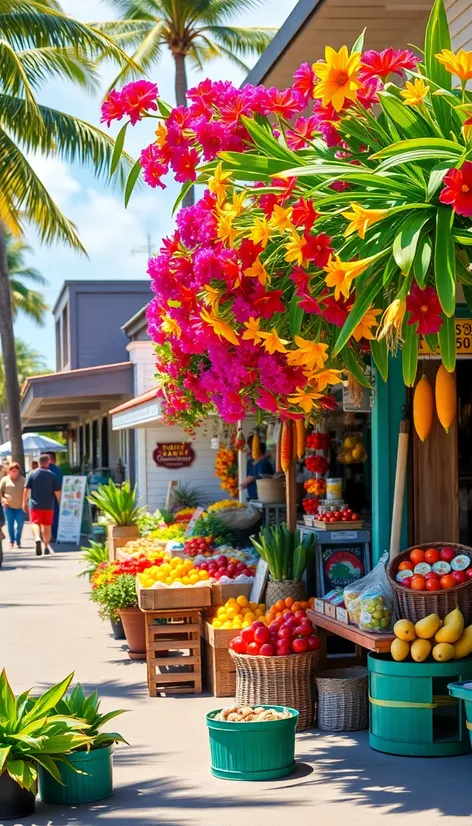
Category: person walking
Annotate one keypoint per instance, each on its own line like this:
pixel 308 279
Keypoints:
pixel 59 475
pixel 42 489
pixel 11 496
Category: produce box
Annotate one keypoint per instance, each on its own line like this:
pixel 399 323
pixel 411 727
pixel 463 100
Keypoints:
pixel 219 668
pixel 220 594
pixel 157 599
pixel 337 526
pixel 219 637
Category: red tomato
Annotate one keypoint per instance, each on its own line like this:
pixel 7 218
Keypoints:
pixel 447 554
pixel 299 646
pixel 348 512
pixel 303 630
pixel 337 514
pixel 274 627
pixel 267 650
pixel 248 635
pixel 238 645
pixel 313 643
pixel 406 566
pixel 418 582
pixel 468 573
pixel 432 575
pixel 417 556
pixel 355 517
pixel 432 556
pixel 284 650
pixel 459 576
pixel 253 648
pixel 300 615
pixel 257 624
pixel 447 581
pixel 285 632
pixel 433 585
pixel 261 635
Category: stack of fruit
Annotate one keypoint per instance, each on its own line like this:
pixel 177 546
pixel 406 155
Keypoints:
pixel 199 545
pixel 310 506
pixel 284 636
pixel 352 450
pixel 238 613
pixel 174 571
pixel 345 514
pixel 284 607
pixel 248 714
pixel 434 570
pixel 445 640
pixel 229 567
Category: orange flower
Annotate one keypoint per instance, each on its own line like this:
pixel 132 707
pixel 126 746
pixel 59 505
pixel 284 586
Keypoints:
pixel 305 399
pixel 281 218
pixel 459 64
pixel 294 249
pixel 309 354
pixel 415 93
pixel 321 379
pixel 226 232
pixel 260 232
pixel 252 333
pixel 338 80
pixel 364 328
pixel 273 343
pixel 257 271
pixel 220 327
pixel 341 274
pixel 169 325
pixel 217 183
pixel 362 219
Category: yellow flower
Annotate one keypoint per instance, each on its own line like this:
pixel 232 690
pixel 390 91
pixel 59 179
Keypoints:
pixel 392 322
pixel 226 232
pixel 260 232
pixel 252 333
pixel 294 249
pixel 304 399
pixel 273 343
pixel 337 77
pixel 281 218
pixel 217 183
pixel 415 93
pixel 161 134
pixel 221 327
pixel 169 325
pixel 459 64
pixel 212 297
pixel 341 274
pixel 321 379
pixel 369 320
pixel 361 219
pixel 310 354
pixel 257 271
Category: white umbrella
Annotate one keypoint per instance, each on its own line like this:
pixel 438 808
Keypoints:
pixel 34 443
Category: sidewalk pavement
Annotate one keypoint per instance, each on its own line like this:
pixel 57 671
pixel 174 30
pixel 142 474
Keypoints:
pixel 49 628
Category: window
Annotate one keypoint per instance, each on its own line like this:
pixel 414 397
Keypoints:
pixel 58 345
pixel 65 336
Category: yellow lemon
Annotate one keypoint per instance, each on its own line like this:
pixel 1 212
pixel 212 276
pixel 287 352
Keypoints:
pixel 204 575
pixel 222 617
pixel 180 570
pixel 250 617
pixel 193 579
pixel 169 580
pixel 245 624
pixel 185 580
pixel 216 623
pixel 220 610
pixel 188 565
pixel 226 626
pixel 178 579
pixel 231 612
pixel 242 601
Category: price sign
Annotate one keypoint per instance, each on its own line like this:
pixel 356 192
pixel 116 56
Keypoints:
pixel 463 339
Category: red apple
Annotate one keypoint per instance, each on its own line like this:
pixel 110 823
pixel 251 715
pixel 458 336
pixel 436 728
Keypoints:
pixel 459 576
pixel 284 650
pixel 247 635
pixel 313 643
pixel 299 646
pixel 257 624
pixel 285 633
pixel 303 630
pixel 468 573
pixel 253 648
pixel 300 615
pixel 239 645
pixel 267 650
pixel 447 554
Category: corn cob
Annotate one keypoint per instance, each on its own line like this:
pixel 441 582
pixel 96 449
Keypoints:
pixel 286 447
pixel 301 437
pixel 256 447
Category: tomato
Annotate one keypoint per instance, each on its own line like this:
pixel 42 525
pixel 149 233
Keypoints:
pixel 248 634
pixel 417 555
pixel 447 581
pixel 261 635
pixel 431 575
pixel 274 627
pixel 238 645
pixel 468 573
pixel 253 648
pixel 303 630
pixel 313 643
pixel 299 646
pixel 433 585
pixel 447 554
pixel 285 633
pixel 418 582
pixel 257 624
pixel 405 566
pixel 432 556
pixel 284 650
pixel 459 576
pixel 337 514
pixel 355 517
pixel 300 615
pixel 267 650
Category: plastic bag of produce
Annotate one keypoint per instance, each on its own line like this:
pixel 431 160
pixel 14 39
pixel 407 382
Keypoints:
pixel 369 601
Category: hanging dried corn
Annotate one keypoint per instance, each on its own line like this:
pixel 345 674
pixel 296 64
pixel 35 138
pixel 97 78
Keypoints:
pixel 301 438
pixel 256 447
pixel 286 448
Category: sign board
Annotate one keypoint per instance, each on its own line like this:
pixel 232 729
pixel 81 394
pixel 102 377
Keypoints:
pixel 195 517
pixel 463 339
pixel 71 509
pixel 260 581
pixel 340 564
pixel 173 455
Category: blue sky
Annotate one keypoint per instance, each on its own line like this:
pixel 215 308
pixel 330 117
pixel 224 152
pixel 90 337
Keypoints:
pixel 113 236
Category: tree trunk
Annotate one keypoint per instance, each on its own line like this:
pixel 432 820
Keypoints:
pixel 7 340
pixel 181 100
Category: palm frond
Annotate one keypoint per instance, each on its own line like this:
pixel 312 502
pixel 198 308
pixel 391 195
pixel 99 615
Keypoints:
pixel 29 302
pixel 138 9
pixel 243 40
pixel 42 64
pixel 147 53
pixel 30 274
pixel 15 82
pixel 219 10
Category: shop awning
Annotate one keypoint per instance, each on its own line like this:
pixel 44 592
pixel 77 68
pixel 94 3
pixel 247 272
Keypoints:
pixel 140 411
pixel 66 399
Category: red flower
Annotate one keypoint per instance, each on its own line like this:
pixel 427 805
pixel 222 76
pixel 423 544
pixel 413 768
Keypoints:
pixel 248 252
pixel 139 97
pixel 112 107
pixel 335 312
pixel 284 102
pixel 425 309
pixel 301 279
pixel 304 80
pixel 267 303
pixel 309 304
pixel 367 96
pixel 302 132
pixel 381 64
pixel 317 248
pixel 304 213
pixel 183 164
pixel 328 402
pixel 458 189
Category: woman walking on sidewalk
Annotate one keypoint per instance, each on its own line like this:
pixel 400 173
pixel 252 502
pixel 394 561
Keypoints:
pixel 11 494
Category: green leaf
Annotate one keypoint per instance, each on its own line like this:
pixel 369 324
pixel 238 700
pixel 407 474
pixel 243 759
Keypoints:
pixel 118 148
pixel 409 352
pixel 379 352
pixel 266 141
pixel 430 145
pixel 48 700
pixel 406 121
pixel 422 260
pixel 48 763
pixel 436 178
pixel 432 341
pixel 185 188
pixel 164 108
pixel 7 700
pixel 462 236
pixel 249 167
pixel 438 38
pixel 468 295
pixel 445 260
pixel 22 773
pixel 358 45
pixel 295 316
pixel 406 241
pixel 131 182
pixel 354 366
pixel 447 343
pixel 4 752
pixel 360 307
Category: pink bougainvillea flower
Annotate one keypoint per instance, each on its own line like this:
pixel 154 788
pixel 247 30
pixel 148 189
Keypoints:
pixel 153 168
pixel 367 94
pixel 382 64
pixel 211 135
pixel 317 248
pixel 184 164
pixel 457 190
pixel 284 102
pixel 304 80
pixel 424 308
pixel 139 97
pixel 302 132
pixel 326 117
pixel 112 107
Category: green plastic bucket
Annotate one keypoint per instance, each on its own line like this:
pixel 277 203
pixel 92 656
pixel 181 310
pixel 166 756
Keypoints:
pixel 463 691
pixel 411 711
pixel 96 784
pixel 252 751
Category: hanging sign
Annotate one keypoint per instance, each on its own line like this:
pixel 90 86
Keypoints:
pixel 463 329
pixel 173 455
pixel 71 509
pixel 341 565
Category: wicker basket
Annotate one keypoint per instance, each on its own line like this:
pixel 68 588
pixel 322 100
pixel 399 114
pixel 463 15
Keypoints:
pixel 283 681
pixel 342 699
pixel 271 491
pixel 415 605
pixel 282 588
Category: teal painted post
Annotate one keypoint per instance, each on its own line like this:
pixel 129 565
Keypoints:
pixel 389 398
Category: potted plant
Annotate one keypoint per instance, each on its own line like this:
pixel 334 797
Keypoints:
pixel 117 600
pixel 287 556
pixel 93 555
pixel 120 505
pixel 32 735
pixel 88 775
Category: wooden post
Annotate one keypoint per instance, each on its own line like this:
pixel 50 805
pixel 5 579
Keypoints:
pixel 242 467
pixel 399 494
pixel 291 494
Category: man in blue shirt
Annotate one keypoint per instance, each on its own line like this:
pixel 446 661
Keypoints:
pixel 59 476
pixel 256 469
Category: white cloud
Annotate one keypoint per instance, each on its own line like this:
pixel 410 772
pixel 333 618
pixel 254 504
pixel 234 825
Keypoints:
pixel 56 176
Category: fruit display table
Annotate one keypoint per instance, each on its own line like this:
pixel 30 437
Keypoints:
pixel 177 635
pixel 325 626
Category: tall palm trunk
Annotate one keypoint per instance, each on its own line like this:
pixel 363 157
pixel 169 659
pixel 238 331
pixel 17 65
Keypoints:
pixel 7 340
pixel 181 99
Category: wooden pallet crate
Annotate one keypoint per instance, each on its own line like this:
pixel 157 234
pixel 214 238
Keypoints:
pixel 219 671
pixel 163 599
pixel 181 671
pixel 220 594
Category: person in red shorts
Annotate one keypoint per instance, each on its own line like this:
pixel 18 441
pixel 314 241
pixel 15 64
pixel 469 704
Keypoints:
pixel 42 489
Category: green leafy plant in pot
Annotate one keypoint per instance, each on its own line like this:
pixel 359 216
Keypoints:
pixel 120 505
pixel 118 600
pixel 33 735
pixel 288 556
pixel 88 775
pixel 93 556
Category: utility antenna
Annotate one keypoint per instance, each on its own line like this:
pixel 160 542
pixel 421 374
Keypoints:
pixel 148 249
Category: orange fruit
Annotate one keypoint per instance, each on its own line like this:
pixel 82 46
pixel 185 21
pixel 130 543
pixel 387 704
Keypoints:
pixel 304 605
pixel 311 602
pixel 279 605
pixel 289 602
pixel 296 607
pixel 447 581
pixel 432 556
pixel 286 611
pixel 417 556
pixel 418 582
pixel 405 566
pixel 278 614
pixel 270 617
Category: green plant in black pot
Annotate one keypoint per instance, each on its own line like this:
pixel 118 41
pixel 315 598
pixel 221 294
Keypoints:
pixel 33 735
pixel 287 556
pixel 118 599
pixel 94 761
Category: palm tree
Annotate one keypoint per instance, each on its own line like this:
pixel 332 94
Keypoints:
pixel 39 42
pixel 24 299
pixel 29 363
pixel 193 30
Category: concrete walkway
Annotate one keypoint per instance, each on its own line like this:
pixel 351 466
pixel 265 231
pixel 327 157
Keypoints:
pixel 49 628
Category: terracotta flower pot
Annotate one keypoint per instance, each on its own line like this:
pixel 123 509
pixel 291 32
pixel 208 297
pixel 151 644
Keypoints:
pixel 135 632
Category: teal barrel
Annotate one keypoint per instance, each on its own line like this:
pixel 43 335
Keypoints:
pixel 411 711
pixel 96 784
pixel 252 751
pixel 463 691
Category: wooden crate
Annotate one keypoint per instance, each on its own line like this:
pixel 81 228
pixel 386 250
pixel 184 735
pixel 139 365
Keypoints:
pixel 337 526
pixel 218 637
pixel 220 594
pixel 163 599
pixel 181 671
pixel 219 670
